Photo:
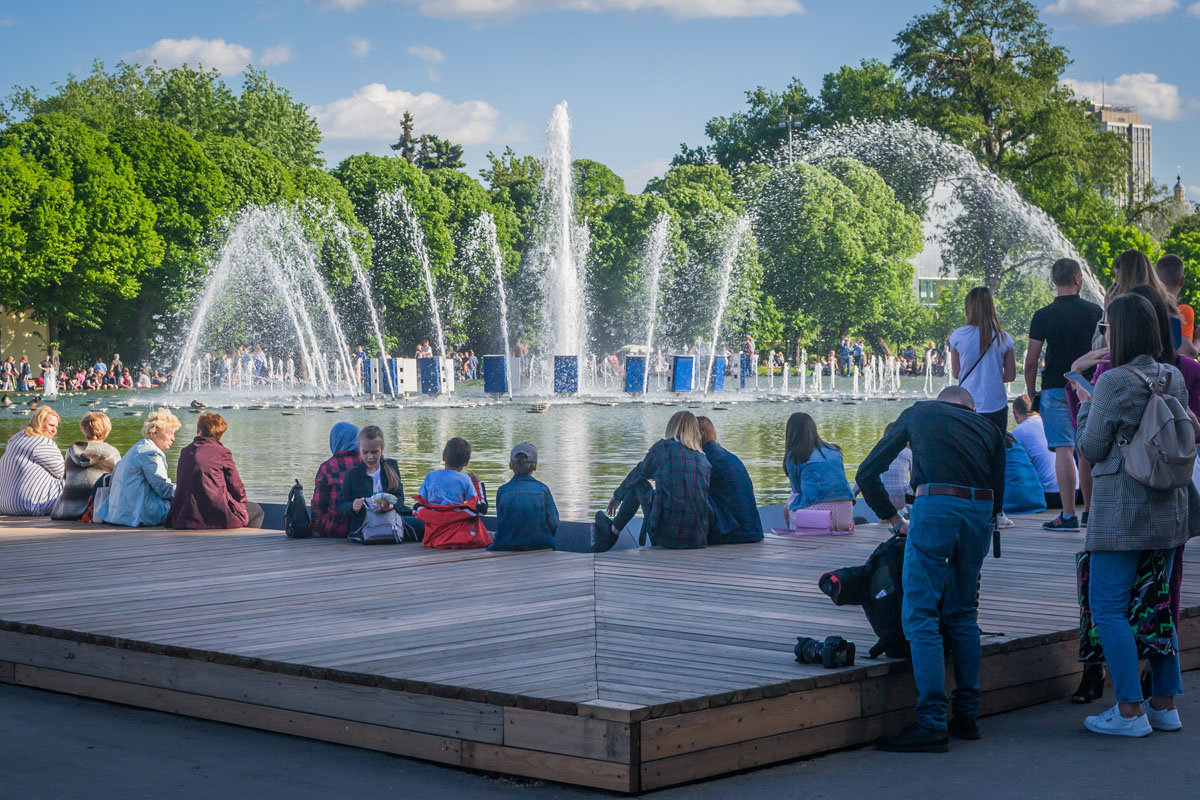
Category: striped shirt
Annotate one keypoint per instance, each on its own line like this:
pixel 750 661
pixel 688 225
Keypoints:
pixel 31 475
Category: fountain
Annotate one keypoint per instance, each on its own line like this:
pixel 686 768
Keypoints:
pixel 342 234
pixel 265 289
pixel 395 205
pixel 729 253
pixel 656 253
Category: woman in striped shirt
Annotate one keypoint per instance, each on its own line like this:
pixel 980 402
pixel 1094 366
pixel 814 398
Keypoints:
pixel 31 468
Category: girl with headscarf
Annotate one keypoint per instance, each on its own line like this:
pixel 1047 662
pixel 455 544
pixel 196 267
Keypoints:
pixel 343 444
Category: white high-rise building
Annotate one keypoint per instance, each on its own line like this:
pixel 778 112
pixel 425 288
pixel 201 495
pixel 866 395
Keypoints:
pixel 1128 123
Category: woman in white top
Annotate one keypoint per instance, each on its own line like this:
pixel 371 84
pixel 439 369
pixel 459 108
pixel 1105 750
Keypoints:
pixel 1030 432
pixel 982 359
pixel 32 467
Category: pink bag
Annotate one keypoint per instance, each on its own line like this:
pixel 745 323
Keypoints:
pixel 809 522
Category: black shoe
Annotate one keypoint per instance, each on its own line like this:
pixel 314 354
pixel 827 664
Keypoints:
pixel 1091 685
pixel 603 537
pixel 1083 518
pixel 915 739
pixel 964 728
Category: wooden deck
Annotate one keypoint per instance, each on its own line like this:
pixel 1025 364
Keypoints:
pixel 625 671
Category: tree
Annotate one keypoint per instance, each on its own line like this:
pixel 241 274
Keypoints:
pixel 251 175
pixel 407 144
pixel 189 195
pixel 436 153
pixel 268 118
pixel 754 135
pixel 1186 224
pixel 514 182
pixel 835 245
pixel 871 90
pixel 118 240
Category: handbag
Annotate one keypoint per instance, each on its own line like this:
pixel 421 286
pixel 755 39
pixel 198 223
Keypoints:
pixel 100 495
pixel 296 522
pixel 1149 608
pixel 809 522
pixel 379 528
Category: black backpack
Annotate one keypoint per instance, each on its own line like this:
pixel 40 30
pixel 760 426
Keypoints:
pixel 296 522
pixel 877 587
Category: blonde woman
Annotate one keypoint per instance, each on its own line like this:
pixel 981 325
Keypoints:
pixel 85 463
pixel 982 357
pixel 31 468
pixel 141 491
pixel 676 509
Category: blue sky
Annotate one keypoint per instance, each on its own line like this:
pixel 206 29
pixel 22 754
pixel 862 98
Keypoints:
pixel 640 76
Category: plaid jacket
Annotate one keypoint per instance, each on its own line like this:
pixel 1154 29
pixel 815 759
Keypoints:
pixel 1126 514
pixel 325 519
pixel 680 514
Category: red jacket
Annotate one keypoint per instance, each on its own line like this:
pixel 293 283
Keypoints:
pixel 453 527
pixel 208 490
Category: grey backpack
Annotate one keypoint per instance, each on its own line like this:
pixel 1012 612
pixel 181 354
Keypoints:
pixel 1162 452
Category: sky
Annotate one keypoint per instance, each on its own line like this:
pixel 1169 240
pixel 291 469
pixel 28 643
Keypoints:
pixel 639 76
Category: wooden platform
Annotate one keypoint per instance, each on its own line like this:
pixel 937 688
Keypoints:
pixel 625 671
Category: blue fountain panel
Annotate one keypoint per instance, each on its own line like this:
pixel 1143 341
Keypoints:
pixel 718 374
pixel 566 374
pixel 683 373
pixel 635 374
pixel 367 374
pixel 495 374
pixel 747 365
pixel 430 371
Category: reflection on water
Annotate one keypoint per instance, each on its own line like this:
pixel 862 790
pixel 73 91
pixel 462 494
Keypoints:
pixel 585 450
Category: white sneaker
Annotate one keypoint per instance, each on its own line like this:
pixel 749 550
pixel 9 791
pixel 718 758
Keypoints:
pixel 1112 723
pixel 1167 720
pixel 1002 521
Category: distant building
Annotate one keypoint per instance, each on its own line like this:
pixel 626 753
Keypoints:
pixel 1128 123
pixel 1180 195
pixel 20 335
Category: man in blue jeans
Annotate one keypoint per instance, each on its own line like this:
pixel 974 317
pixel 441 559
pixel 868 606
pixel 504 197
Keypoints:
pixel 958 480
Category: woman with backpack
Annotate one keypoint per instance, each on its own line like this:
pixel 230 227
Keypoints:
pixel 982 358
pixel 1129 515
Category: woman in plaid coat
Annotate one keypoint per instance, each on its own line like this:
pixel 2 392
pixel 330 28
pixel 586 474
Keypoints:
pixel 1129 517
pixel 676 509
pixel 343 444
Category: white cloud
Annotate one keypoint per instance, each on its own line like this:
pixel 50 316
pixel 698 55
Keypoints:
pixel 426 53
pixel 9 22
pixel 508 9
pixel 372 114
pixel 636 178
pixel 216 54
pixel 279 54
pixel 1194 10
pixel 359 46
pixel 1192 191
pixel 1142 90
pixel 1110 12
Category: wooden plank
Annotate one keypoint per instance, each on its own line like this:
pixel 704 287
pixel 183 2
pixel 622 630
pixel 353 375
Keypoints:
pixel 329 729
pixel 570 735
pixel 423 713
pixel 549 766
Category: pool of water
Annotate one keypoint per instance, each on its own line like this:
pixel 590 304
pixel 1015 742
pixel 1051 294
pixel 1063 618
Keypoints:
pixel 585 450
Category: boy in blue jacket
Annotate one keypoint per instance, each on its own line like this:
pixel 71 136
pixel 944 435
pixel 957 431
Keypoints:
pixel 528 518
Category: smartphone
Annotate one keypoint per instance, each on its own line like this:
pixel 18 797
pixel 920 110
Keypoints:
pixel 1082 381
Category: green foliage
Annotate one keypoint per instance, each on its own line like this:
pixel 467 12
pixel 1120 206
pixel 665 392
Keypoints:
pixel 752 135
pixel 267 117
pixel 1186 224
pixel 1019 296
pixel 869 91
pixel 835 244
pixel 117 237
pixel 252 175
pixel 1186 245
pixel 1106 242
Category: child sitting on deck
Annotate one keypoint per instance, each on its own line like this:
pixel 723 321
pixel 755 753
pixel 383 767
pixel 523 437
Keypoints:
pixel 451 503
pixel 528 518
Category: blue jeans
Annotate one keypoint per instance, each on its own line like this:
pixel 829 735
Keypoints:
pixel 1112 579
pixel 947 542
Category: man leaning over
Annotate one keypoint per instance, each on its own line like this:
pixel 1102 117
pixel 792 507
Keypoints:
pixel 958 480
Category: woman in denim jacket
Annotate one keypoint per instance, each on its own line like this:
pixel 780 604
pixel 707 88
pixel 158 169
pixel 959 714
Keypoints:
pixel 817 473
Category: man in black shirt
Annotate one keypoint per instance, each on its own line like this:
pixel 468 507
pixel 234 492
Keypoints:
pixel 1065 328
pixel 958 478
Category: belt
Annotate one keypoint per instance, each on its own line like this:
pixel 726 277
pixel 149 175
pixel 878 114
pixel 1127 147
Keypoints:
pixel 949 490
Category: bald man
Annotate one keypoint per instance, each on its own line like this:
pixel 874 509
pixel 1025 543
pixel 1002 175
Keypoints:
pixel 958 481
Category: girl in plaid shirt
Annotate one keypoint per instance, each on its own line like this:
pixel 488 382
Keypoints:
pixel 343 444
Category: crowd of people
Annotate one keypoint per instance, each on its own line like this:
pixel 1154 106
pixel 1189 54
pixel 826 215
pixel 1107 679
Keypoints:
pixel 944 474
pixel 18 375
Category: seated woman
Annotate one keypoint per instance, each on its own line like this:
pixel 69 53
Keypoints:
pixel 1022 486
pixel 731 491
pixel 31 467
pixel 816 472
pixel 1030 432
pixel 85 463
pixel 372 475
pixel 140 493
pixel 343 444
pixel 209 494
pixel 676 510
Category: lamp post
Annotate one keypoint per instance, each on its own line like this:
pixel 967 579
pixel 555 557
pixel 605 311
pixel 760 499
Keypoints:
pixel 789 121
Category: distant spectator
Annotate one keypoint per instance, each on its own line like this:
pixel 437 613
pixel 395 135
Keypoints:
pixel 86 462
pixel 31 467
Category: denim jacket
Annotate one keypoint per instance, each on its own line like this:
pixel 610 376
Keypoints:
pixel 141 491
pixel 527 515
pixel 820 479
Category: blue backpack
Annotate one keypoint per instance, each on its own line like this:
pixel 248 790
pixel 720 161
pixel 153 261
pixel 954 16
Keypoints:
pixel 1022 487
